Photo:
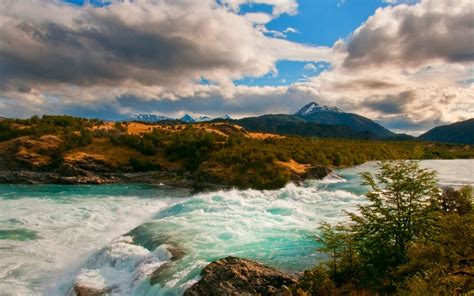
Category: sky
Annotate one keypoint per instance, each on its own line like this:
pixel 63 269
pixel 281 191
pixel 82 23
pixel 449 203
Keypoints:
pixel 406 64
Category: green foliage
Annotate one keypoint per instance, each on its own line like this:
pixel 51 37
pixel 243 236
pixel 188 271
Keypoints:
pixel 444 265
pixel 410 238
pixel 143 165
pixel 337 159
pixel 192 146
pixel 8 131
pixel 456 201
pixel 338 242
pixel 147 144
pixel 314 282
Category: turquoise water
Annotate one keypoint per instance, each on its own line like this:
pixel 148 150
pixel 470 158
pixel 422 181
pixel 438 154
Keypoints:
pixel 118 235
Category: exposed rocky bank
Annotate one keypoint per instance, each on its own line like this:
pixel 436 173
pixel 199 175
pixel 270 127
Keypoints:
pixel 236 276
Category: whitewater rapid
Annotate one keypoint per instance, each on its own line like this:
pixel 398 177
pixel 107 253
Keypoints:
pixel 123 237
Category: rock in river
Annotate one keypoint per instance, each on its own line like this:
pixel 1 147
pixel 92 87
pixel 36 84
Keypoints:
pixel 236 276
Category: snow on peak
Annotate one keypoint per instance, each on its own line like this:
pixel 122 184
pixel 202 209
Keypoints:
pixel 189 118
pixel 147 117
pixel 314 107
pixel 227 116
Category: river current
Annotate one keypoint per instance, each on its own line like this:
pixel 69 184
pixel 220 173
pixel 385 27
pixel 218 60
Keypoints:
pixel 118 236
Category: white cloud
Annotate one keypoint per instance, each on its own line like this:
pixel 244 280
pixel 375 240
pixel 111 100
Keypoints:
pixel 258 18
pixel 290 30
pixel 279 6
pixel 310 67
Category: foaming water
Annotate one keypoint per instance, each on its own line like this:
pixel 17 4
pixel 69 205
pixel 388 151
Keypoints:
pixel 273 227
pixel 142 240
pixel 58 227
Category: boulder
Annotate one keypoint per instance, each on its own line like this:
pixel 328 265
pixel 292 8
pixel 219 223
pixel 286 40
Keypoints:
pixel 236 276
pixel 317 172
pixel 80 290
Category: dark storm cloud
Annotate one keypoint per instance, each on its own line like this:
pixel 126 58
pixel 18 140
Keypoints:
pixel 150 44
pixel 370 84
pixel 403 123
pixel 391 104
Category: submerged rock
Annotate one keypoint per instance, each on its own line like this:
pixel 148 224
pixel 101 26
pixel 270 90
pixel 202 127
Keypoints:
pixel 236 276
pixel 176 254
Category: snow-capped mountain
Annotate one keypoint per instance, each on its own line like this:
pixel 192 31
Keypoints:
pixel 313 112
pixel 227 116
pixel 147 117
pixel 314 107
pixel 155 117
pixel 189 118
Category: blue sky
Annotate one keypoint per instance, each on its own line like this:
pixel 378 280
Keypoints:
pixel 318 23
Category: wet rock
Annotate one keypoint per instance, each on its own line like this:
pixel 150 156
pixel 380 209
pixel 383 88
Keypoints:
pixel 69 170
pixel 176 253
pixel 317 172
pixel 160 272
pixel 80 290
pixel 236 276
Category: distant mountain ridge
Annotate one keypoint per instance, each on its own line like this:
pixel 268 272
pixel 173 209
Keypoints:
pixel 461 132
pixel 155 117
pixel 148 117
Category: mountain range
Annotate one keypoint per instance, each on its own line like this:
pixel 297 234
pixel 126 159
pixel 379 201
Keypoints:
pixel 152 117
pixel 315 120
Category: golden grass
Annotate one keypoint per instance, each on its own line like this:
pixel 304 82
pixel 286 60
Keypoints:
pixel 110 125
pixel 104 151
pixel 220 128
pixel 30 149
pixel 294 166
pixel 263 136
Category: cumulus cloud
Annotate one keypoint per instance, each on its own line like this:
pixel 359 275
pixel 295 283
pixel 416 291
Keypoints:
pixel 410 36
pixel 310 67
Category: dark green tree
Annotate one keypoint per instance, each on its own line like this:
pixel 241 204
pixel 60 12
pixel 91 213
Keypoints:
pixel 399 210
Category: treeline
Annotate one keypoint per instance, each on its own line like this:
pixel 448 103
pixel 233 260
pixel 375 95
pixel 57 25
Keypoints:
pixel 411 238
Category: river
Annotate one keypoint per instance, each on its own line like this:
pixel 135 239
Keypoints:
pixel 118 235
